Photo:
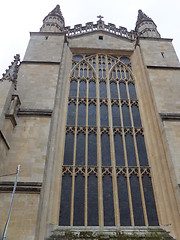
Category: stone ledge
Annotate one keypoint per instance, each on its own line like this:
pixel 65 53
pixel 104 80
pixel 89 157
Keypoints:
pixel 124 233
pixel 170 116
pixel 29 187
pixel 34 112
pixel 4 140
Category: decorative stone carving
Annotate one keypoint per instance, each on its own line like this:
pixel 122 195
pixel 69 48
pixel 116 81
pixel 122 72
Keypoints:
pixel 11 73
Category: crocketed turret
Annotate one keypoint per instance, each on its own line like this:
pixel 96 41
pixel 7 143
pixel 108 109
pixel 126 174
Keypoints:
pixel 145 26
pixel 54 21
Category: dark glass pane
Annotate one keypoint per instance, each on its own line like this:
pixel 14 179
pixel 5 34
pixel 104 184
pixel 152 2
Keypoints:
pixel 141 150
pixel 116 116
pixel 127 74
pixel 79 200
pixel 108 201
pixel 125 60
pixel 118 73
pixel 80 149
pixel 77 58
pixel 81 72
pixel 65 207
pixel 130 150
pixel 92 200
pixel 150 202
pixel 82 89
pixel 122 72
pixel 136 116
pixel 114 93
pixel 119 152
pixel 125 219
pixel 69 148
pixel 136 201
pixel 126 116
pixel 104 73
pixel 73 89
pixel 103 92
pixel 132 91
pixel 76 72
pixel 82 114
pixel 92 115
pixel 85 72
pixel 123 93
pixel 92 150
pixel 104 115
pixel 92 89
pixel 114 74
pixel 105 150
pixel 90 72
pixel 71 114
pixel 100 73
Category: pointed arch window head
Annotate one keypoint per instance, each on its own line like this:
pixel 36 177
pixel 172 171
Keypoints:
pixel 106 178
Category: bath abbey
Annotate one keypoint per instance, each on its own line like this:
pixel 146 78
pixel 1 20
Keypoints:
pixel 92 117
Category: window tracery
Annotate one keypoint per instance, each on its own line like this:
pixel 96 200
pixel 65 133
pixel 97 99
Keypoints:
pixel 105 173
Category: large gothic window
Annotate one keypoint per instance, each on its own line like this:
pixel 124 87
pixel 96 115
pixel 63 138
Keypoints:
pixel 106 178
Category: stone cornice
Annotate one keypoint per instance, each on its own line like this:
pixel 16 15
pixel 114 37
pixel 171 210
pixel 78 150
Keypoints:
pixel 29 187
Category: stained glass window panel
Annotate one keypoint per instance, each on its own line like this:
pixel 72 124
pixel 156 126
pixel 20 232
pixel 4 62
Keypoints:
pixel 82 114
pixel 92 115
pixel 79 200
pixel 150 202
pixel 104 115
pixel 131 156
pixel 136 201
pixel 92 149
pixel 65 207
pixel 119 152
pixel 71 114
pixel 141 150
pixel 69 148
pixel 105 150
pixel 125 219
pixel 92 200
pixel 80 150
pixel 108 201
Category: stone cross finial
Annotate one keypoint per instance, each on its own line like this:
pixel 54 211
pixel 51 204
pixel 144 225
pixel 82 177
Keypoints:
pixel 100 17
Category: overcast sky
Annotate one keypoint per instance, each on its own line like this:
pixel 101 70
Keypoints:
pixel 19 17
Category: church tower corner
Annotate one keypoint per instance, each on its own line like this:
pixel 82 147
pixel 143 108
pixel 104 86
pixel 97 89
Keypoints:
pixel 145 26
pixel 54 21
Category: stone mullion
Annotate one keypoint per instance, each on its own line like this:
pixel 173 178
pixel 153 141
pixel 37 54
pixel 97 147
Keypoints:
pixel 125 158
pixel 74 154
pixel 137 160
pixel 86 158
pixel 113 161
pixel 100 187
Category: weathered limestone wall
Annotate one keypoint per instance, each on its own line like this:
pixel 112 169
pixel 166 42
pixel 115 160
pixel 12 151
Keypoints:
pixel 37 85
pixel 6 128
pixel 173 142
pixel 45 47
pixel 23 217
pixel 163 69
pixel 28 148
pixel 166 89
pixel 152 50
pixel 92 41
pixel 36 88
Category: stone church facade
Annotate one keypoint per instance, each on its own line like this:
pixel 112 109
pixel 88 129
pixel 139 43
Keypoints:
pixel 92 115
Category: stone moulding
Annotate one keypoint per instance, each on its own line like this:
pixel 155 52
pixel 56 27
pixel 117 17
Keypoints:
pixel 124 233
pixel 29 187
pixel 34 112
pixel 100 25
pixel 4 140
